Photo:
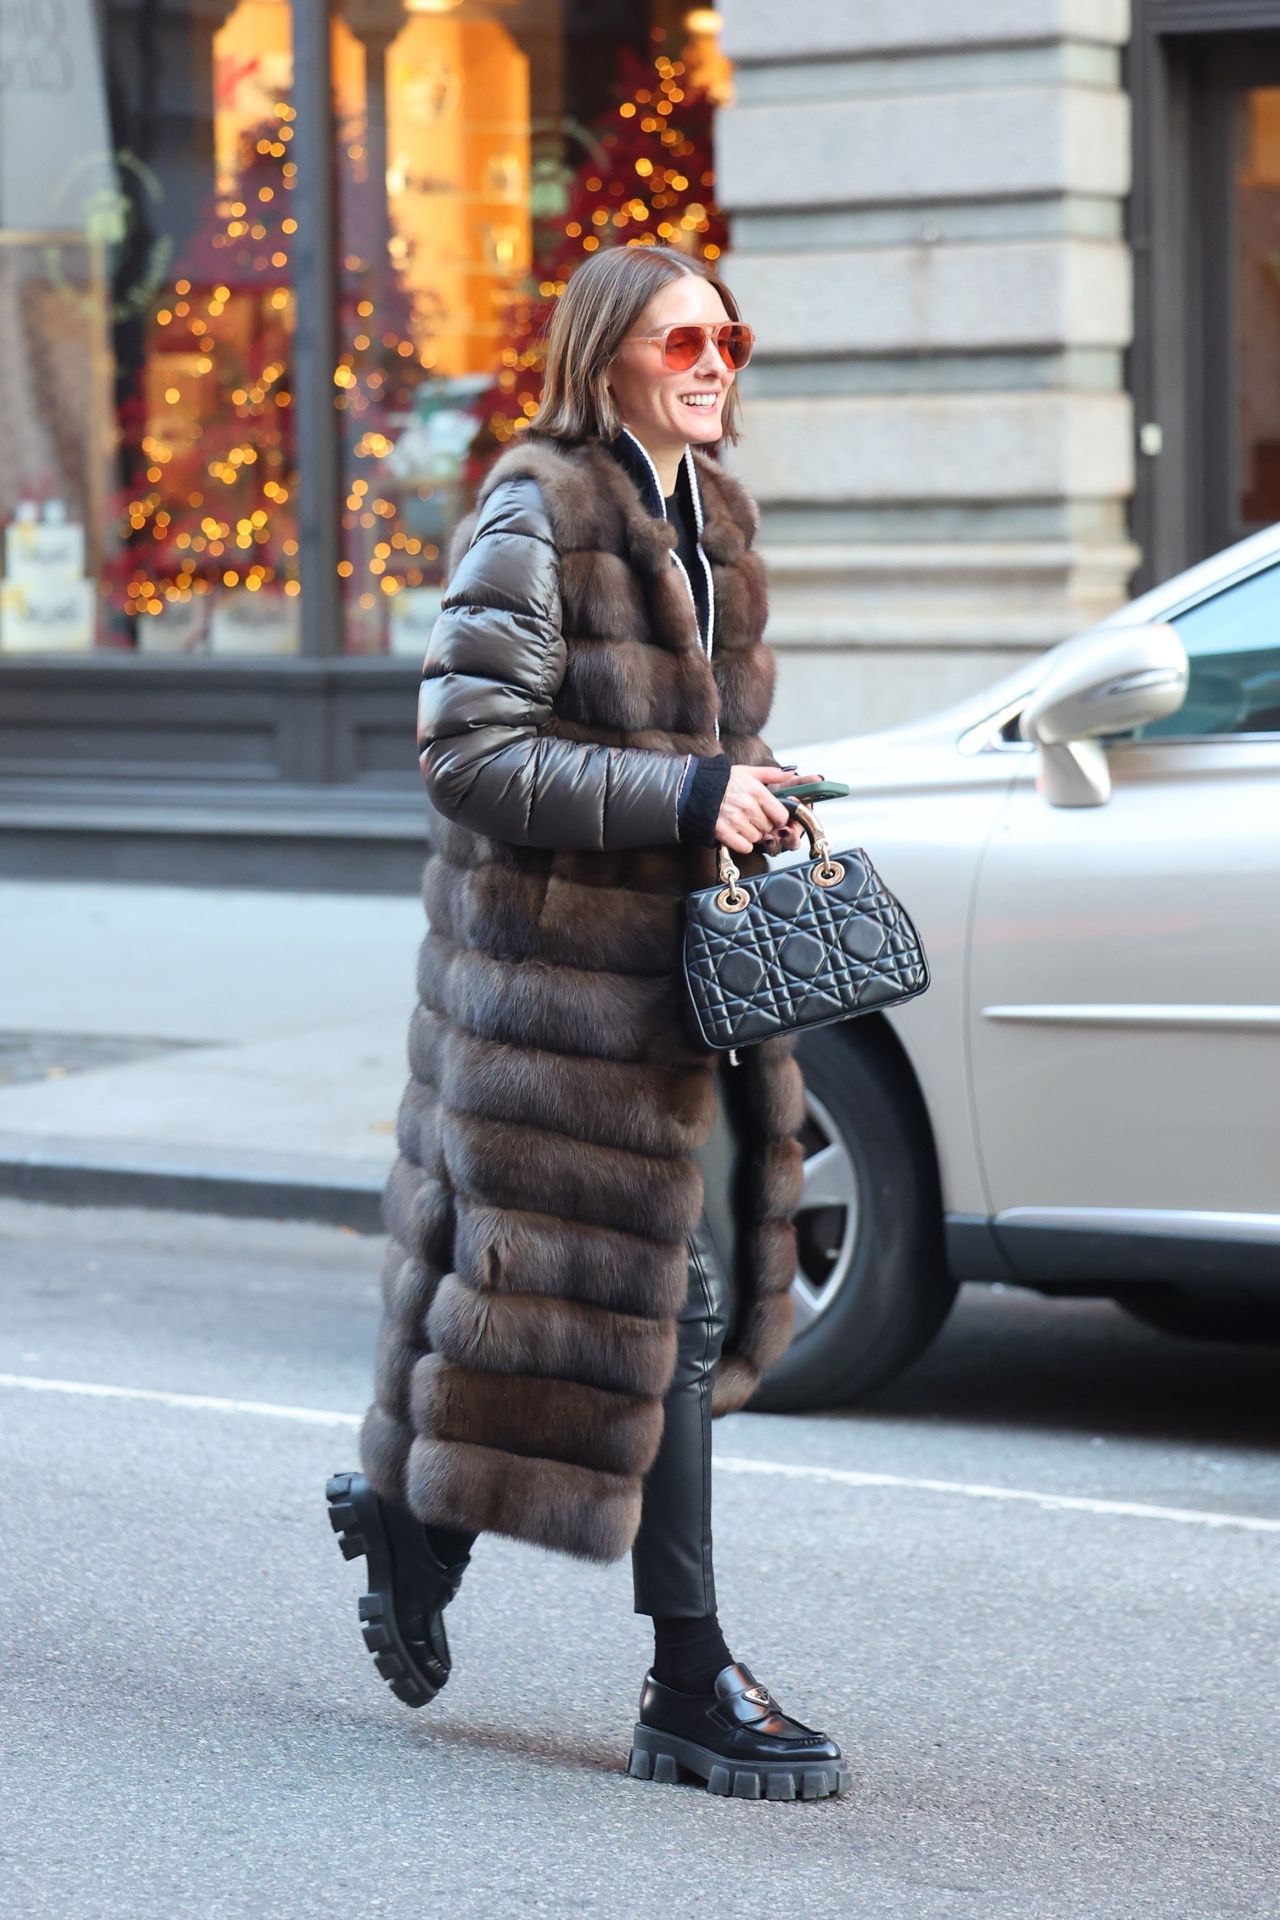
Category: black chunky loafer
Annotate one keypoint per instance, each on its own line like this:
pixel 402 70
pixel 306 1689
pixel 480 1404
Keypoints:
pixel 737 1739
pixel 409 1588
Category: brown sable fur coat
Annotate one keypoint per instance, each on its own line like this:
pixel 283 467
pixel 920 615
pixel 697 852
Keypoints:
pixel 545 1185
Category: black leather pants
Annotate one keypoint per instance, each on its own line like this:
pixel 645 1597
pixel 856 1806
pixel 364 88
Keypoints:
pixel 671 1559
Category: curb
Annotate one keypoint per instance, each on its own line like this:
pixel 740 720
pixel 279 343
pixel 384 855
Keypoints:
pixel 334 1197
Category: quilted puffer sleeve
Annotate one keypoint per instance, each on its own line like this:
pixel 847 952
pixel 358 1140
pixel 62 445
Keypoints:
pixel 494 663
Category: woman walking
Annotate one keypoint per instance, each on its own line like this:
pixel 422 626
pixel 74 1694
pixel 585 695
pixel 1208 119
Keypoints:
pixel 591 1215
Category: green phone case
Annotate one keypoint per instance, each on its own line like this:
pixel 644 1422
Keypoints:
pixel 814 790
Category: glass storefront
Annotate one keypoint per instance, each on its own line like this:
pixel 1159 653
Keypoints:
pixel 1257 277
pixel 153 397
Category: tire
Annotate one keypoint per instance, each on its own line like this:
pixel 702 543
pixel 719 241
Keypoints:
pixel 872 1288
pixel 1246 1320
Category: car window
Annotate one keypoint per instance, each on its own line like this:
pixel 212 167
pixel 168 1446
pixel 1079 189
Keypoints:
pixel 1233 646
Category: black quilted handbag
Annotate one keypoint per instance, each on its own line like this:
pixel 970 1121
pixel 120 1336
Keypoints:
pixel 798 946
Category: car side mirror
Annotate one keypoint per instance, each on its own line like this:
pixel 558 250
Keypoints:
pixel 1097 684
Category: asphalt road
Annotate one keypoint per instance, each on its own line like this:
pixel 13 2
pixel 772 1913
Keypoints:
pixel 1061 1705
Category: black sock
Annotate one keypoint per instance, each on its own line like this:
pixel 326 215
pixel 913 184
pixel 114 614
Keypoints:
pixel 689 1653
pixel 449 1546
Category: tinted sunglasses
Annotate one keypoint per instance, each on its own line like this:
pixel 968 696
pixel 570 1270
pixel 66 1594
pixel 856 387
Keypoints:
pixel 683 346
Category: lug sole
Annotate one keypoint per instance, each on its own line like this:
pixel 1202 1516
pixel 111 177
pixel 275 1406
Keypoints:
pixel 667 1759
pixel 415 1678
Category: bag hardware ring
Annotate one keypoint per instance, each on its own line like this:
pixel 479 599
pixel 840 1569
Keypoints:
pixel 732 899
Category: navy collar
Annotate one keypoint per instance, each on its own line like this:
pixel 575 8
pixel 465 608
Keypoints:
pixel 635 459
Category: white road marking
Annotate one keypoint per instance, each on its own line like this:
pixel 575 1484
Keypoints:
pixel 727 1463
pixel 196 1402
pixel 1051 1502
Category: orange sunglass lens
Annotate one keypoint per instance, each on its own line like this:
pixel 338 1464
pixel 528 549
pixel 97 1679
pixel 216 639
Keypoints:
pixel 684 346
pixel 734 343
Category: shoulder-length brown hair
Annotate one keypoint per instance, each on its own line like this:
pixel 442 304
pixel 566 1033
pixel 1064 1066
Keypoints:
pixel 602 301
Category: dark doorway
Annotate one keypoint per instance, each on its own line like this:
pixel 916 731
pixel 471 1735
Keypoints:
pixel 1205 231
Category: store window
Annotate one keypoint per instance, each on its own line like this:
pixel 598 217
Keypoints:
pixel 61 202
pixel 1257 273
pixel 150 496
pixel 512 140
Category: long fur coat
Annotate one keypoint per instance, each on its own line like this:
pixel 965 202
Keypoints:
pixel 545 1184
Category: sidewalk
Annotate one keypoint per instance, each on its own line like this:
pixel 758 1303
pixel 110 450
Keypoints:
pixel 235 1051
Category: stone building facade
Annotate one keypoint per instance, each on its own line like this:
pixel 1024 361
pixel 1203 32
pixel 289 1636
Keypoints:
pixel 928 230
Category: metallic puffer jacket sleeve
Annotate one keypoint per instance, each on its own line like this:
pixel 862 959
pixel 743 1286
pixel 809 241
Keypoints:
pixel 495 660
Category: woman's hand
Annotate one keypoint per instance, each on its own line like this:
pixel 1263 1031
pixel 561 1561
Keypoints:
pixel 750 816
pixel 784 840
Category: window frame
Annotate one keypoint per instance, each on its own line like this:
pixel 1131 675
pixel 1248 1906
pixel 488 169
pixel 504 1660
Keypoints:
pixel 988 735
pixel 315 253
pixel 1189 605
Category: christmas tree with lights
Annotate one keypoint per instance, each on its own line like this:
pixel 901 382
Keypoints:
pixel 208 433
pixel 648 181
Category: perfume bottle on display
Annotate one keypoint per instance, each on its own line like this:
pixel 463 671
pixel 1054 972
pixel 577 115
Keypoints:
pixel 46 602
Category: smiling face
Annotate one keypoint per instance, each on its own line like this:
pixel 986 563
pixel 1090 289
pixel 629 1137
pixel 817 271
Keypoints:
pixel 668 411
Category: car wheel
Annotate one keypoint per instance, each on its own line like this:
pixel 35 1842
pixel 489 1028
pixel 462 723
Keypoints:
pixel 871 1287
pixel 1204 1316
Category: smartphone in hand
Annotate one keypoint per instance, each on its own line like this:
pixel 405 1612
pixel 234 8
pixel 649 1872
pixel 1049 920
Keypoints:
pixel 813 790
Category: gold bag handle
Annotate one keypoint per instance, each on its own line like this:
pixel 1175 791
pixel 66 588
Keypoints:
pixel 732 898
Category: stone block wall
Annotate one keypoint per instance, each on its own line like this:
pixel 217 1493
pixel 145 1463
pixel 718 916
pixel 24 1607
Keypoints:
pixel 926 201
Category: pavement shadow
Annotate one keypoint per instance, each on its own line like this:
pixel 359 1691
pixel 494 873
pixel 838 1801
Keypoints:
pixel 543 1749
pixel 1011 1359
